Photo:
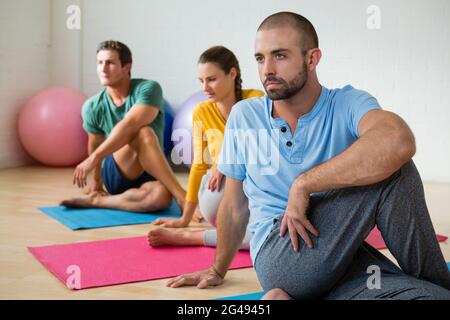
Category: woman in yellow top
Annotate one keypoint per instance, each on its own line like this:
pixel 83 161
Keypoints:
pixel 220 76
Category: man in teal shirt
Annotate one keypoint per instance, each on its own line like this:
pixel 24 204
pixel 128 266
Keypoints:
pixel 125 124
pixel 306 159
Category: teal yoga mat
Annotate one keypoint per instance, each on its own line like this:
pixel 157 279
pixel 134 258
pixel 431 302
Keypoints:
pixel 76 218
pixel 249 296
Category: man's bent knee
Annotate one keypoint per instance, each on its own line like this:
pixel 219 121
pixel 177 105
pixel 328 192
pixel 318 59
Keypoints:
pixel 276 294
pixel 156 199
pixel 145 137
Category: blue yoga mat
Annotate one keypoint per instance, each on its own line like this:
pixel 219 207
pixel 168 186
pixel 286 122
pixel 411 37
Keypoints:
pixel 258 295
pixel 81 218
pixel 249 296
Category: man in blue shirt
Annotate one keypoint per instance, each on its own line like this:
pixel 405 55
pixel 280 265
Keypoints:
pixel 306 159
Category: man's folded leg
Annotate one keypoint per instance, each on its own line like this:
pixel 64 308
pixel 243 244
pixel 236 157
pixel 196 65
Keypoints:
pixel 344 218
pixel 373 276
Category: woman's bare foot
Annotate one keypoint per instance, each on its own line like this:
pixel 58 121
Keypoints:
pixel 87 201
pixel 276 294
pixel 164 237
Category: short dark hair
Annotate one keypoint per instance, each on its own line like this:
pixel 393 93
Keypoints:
pixel 225 59
pixel 124 52
pixel 302 25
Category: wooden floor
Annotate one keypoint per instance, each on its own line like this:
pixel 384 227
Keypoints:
pixel 23 190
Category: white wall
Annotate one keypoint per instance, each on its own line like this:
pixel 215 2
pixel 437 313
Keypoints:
pixel 405 63
pixel 24 68
pixel 66 48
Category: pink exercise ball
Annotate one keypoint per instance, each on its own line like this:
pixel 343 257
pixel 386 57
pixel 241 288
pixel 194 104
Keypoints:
pixel 50 127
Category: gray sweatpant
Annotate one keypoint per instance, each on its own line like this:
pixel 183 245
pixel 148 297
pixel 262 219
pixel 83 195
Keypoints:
pixel 340 265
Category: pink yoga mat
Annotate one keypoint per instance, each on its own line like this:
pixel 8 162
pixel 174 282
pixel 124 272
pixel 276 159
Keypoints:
pixel 109 262
pixel 376 240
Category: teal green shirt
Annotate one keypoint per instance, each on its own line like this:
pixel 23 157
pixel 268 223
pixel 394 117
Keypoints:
pixel 100 114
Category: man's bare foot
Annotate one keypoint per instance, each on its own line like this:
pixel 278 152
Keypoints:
pixel 87 201
pixel 163 237
pixel 276 294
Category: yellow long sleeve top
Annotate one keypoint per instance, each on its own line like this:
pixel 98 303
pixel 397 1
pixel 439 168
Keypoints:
pixel 208 128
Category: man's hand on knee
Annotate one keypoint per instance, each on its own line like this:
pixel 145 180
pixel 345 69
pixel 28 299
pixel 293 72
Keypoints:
pixel 295 219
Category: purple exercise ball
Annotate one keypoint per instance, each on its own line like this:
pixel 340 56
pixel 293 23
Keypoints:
pixel 182 125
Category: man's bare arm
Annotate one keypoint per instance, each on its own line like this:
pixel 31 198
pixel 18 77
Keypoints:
pixel 139 116
pixel 232 220
pixel 123 133
pixel 385 144
pixel 94 141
